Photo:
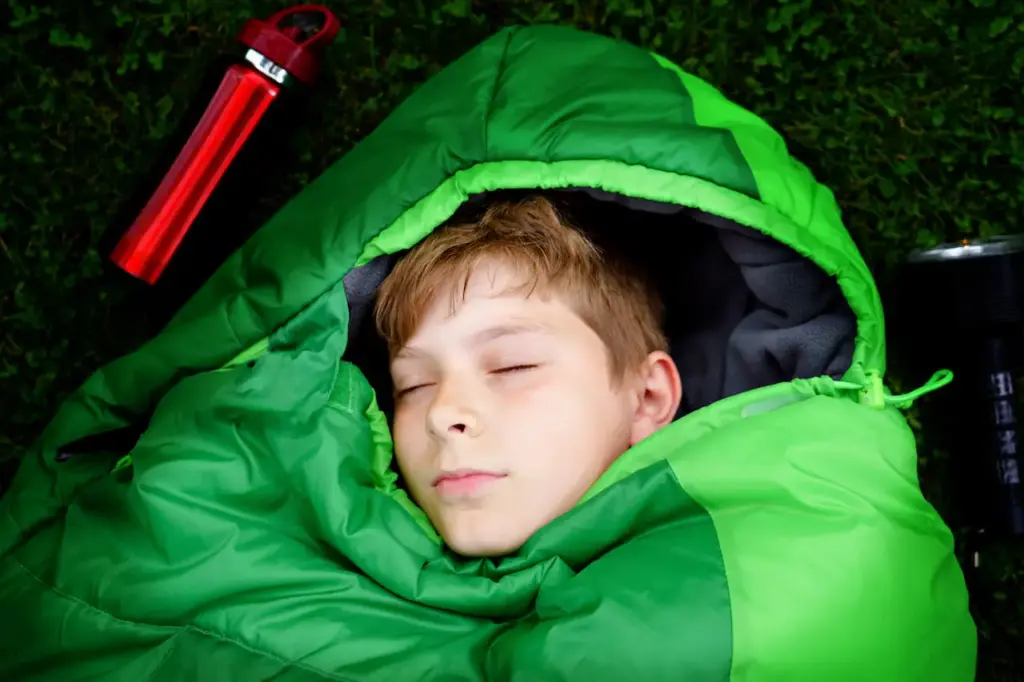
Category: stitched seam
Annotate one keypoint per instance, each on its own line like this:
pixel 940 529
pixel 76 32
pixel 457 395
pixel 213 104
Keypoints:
pixel 350 384
pixel 494 90
pixel 725 569
pixel 334 379
pixel 172 645
pixel 64 595
pixel 174 630
pixel 266 654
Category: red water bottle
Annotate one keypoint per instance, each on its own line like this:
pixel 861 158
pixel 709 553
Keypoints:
pixel 286 47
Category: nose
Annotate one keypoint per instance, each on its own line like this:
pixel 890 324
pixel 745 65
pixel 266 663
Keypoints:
pixel 451 416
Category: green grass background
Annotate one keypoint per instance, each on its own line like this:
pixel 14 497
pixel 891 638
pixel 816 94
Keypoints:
pixel 910 110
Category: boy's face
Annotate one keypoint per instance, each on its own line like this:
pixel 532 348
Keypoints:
pixel 505 414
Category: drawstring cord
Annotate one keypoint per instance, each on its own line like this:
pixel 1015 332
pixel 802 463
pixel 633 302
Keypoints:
pixel 872 391
pixel 122 463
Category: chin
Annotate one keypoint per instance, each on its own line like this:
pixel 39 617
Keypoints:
pixel 483 542
pixel 482 548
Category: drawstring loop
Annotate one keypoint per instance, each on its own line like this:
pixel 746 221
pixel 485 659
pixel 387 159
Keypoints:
pixel 872 391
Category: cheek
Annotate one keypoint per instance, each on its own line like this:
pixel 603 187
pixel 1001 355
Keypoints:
pixel 569 421
pixel 409 437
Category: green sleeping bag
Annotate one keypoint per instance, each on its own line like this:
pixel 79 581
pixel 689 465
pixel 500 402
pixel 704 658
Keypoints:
pixel 776 531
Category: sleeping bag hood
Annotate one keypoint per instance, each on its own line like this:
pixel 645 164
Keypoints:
pixel 256 530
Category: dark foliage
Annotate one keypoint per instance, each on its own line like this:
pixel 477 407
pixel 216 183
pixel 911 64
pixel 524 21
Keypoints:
pixel 909 109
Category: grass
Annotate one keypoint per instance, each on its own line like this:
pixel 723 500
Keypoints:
pixel 910 111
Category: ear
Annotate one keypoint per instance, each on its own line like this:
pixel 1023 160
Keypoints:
pixel 659 391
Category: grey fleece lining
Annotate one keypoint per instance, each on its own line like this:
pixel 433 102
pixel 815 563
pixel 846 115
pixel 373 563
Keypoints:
pixel 742 310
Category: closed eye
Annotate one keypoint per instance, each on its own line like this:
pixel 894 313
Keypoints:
pixel 513 369
pixel 411 389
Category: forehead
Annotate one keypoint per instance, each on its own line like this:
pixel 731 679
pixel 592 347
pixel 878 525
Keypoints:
pixel 491 315
pixel 489 284
pixel 495 300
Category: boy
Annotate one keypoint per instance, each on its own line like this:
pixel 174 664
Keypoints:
pixel 525 360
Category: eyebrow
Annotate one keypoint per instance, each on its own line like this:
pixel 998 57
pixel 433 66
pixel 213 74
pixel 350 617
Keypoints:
pixel 487 335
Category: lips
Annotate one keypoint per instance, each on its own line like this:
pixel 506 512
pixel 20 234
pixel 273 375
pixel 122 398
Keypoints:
pixel 465 481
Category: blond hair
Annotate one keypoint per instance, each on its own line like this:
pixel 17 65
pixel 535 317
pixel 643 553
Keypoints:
pixel 612 298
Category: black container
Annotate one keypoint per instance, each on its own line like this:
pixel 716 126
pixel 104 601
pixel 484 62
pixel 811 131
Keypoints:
pixel 962 308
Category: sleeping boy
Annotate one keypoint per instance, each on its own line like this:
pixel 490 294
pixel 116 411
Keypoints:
pixel 525 360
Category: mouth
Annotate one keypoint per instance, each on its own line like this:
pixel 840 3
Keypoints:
pixel 464 481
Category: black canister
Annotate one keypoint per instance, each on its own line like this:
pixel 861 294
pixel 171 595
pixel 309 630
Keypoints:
pixel 962 307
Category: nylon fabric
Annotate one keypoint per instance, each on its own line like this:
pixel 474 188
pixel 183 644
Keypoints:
pixel 300 532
